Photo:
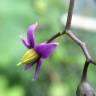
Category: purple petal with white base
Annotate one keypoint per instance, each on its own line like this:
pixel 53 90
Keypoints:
pixel 30 34
pixel 38 65
pixel 27 66
pixel 41 51
pixel 25 42
pixel 45 49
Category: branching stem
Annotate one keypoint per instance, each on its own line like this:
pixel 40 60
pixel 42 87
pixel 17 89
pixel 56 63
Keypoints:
pixel 67 31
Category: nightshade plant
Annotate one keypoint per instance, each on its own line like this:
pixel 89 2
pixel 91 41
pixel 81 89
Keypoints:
pixel 35 53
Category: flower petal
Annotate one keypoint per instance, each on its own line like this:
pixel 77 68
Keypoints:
pixel 25 42
pixel 45 49
pixel 30 34
pixel 37 69
pixel 28 66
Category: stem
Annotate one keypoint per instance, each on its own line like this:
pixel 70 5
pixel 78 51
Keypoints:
pixel 54 37
pixel 82 45
pixel 68 23
pixel 84 73
pixel 68 32
pixel 69 17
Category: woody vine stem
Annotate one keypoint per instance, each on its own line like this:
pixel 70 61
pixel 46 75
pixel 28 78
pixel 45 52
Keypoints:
pixel 67 31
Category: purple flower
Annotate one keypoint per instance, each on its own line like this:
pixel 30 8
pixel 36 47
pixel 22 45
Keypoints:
pixel 36 53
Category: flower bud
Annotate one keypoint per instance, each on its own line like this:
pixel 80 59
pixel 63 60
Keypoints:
pixel 84 89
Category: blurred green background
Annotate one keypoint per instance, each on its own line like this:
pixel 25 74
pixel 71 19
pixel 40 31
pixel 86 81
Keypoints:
pixel 60 73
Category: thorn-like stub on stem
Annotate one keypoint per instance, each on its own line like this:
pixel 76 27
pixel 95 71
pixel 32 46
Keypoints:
pixel 67 31
pixel 61 33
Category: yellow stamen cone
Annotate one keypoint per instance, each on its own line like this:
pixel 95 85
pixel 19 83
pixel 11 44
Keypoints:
pixel 19 64
pixel 30 57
